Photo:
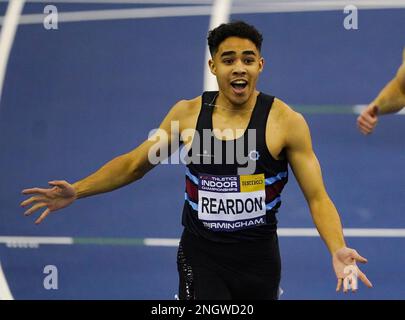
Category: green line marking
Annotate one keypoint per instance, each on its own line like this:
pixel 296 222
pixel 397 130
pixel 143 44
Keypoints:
pixel 110 241
pixel 324 109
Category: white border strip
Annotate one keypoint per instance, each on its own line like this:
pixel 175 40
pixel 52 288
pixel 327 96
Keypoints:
pixel 5 293
pixel 7 34
pixel 220 14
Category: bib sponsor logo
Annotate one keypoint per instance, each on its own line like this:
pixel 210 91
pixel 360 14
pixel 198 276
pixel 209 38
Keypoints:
pixel 228 203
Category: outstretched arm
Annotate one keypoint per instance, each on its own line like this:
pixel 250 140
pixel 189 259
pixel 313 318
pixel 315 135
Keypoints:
pixel 391 99
pixel 307 171
pixel 117 173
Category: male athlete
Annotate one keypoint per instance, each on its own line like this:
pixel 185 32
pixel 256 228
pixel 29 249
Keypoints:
pixel 391 99
pixel 229 247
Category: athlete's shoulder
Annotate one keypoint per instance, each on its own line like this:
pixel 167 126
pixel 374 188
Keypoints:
pixel 186 112
pixel 286 113
pixel 192 104
pixel 187 105
pixel 184 108
pixel 292 123
pixel 296 130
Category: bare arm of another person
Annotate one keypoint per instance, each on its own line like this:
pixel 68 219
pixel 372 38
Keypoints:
pixel 391 99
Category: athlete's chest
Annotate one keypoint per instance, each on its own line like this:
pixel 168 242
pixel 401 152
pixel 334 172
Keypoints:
pixel 228 127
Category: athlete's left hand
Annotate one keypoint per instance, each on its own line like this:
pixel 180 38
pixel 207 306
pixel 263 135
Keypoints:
pixel 344 263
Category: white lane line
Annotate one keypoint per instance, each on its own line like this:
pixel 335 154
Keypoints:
pixel 336 3
pixel 161 242
pixel 5 293
pixel 20 241
pixel 7 34
pixel 220 14
pixel 181 11
pixel 203 10
pixel 375 233
pixel 118 14
pixel 357 109
pixel 23 242
pixel 121 1
pixel 348 232
pixel 305 6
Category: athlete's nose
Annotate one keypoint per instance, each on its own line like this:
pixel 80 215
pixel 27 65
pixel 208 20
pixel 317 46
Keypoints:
pixel 239 69
pixel 239 72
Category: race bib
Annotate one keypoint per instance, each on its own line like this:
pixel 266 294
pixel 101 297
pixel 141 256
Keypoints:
pixel 229 203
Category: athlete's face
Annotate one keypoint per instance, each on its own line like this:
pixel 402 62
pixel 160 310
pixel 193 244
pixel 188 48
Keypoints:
pixel 237 65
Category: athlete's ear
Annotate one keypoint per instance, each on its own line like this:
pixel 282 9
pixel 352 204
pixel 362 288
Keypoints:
pixel 261 64
pixel 212 66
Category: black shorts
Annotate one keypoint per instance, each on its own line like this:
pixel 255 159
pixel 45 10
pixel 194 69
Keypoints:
pixel 212 270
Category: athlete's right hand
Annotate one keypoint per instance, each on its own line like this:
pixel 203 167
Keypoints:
pixel 59 196
pixel 368 119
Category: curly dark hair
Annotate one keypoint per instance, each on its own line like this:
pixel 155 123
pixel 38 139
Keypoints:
pixel 233 29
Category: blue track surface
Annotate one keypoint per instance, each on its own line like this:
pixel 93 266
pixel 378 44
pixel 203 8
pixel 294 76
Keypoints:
pixel 77 97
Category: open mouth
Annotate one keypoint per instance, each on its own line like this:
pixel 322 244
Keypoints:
pixel 239 85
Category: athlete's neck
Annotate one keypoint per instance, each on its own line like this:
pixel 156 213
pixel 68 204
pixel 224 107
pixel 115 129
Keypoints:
pixel 223 102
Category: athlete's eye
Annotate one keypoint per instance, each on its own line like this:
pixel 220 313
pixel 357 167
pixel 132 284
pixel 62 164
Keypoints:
pixel 227 61
pixel 249 60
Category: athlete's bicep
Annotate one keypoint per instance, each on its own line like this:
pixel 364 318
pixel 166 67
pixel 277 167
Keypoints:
pixel 303 160
pixel 160 143
pixel 166 137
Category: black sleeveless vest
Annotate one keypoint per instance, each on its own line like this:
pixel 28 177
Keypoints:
pixel 233 187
